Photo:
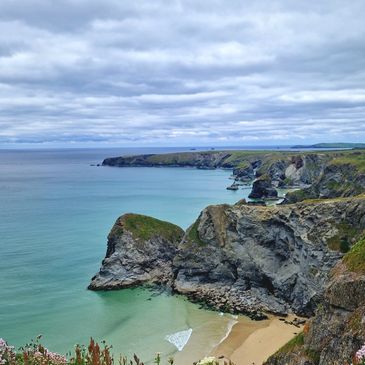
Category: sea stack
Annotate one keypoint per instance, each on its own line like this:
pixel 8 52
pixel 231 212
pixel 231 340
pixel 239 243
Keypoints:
pixel 140 251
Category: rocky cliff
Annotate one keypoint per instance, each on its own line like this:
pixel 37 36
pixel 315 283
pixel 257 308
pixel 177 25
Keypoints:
pixel 326 174
pixel 277 259
pixel 337 331
pixel 342 176
pixel 140 250
pixel 239 258
pixel 284 168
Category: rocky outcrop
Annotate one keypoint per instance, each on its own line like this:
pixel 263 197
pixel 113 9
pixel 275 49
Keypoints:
pixel 245 258
pixel 262 188
pixel 241 258
pixel 337 331
pixel 244 174
pixel 341 177
pixel 140 250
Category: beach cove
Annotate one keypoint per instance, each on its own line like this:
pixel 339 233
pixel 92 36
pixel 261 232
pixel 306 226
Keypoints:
pixel 66 208
pixel 46 266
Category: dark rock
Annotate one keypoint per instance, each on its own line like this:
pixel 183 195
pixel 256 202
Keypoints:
pixel 337 331
pixel 245 174
pixel 240 259
pixel 264 259
pixel 140 250
pixel 262 188
pixel 337 179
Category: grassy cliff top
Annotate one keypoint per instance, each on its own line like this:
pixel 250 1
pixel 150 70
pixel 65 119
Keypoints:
pixel 355 258
pixel 232 158
pixel 144 227
pixel 354 159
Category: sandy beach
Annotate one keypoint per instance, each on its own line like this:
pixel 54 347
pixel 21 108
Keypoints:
pixel 252 342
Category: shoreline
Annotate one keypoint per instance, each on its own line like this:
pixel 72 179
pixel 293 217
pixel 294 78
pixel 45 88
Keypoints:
pixel 252 342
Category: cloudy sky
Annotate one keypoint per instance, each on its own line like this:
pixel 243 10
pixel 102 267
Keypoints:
pixel 181 72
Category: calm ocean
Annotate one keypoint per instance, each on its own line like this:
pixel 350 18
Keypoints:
pixel 56 212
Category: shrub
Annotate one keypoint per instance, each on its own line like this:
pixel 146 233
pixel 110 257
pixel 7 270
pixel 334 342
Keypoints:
pixel 94 354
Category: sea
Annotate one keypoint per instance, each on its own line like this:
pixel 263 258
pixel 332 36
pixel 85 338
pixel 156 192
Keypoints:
pixel 56 212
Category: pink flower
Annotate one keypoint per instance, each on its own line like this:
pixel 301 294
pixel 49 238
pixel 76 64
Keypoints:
pixel 360 354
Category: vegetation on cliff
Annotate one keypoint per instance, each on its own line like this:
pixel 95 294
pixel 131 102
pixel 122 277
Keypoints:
pixel 35 353
pixel 355 259
pixel 144 227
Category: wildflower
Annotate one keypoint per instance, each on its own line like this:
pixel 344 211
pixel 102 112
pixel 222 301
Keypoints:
pixel 360 355
pixel 208 361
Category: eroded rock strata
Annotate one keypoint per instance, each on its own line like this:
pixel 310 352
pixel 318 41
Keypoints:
pixel 337 331
pixel 240 258
pixel 277 259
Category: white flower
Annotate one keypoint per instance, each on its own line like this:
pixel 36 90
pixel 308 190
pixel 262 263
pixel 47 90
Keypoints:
pixel 208 361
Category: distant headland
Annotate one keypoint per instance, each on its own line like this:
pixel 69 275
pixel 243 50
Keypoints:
pixel 339 145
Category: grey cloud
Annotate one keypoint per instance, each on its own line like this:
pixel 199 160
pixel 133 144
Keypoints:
pixel 181 72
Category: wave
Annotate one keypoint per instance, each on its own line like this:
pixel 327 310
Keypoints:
pixel 230 325
pixel 179 339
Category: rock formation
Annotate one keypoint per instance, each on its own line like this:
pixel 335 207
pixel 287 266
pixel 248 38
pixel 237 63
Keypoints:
pixel 140 250
pixel 262 188
pixel 244 258
pixel 341 177
pixel 240 258
pixel 337 331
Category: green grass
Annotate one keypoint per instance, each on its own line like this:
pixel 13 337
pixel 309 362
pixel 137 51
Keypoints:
pixel 313 355
pixel 355 258
pixel 144 227
pixel 343 239
pixel 193 234
pixel 296 344
pixel 297 196
pixel 355 320
pixel 354 159
pixel 293 344
pixel 333 200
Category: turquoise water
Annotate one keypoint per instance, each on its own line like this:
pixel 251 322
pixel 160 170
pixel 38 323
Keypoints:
pixel 56 211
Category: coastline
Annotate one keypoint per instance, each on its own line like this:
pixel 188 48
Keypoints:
pixel 252 342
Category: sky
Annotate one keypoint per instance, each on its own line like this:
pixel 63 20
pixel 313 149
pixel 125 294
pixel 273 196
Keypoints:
pixel 181 72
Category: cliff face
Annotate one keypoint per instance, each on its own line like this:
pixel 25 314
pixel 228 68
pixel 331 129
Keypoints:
pixel 343 176
pixel 140 250
pixel 239 258
pixel 337 331
pixel 247 258
pixel 206 159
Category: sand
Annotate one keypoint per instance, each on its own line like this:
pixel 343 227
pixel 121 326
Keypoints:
pixel 252 342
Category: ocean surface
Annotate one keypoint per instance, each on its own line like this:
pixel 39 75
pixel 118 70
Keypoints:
pixel 56 212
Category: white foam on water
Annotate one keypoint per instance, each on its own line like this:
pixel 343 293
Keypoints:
pixel 230 325
pixel 179 339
